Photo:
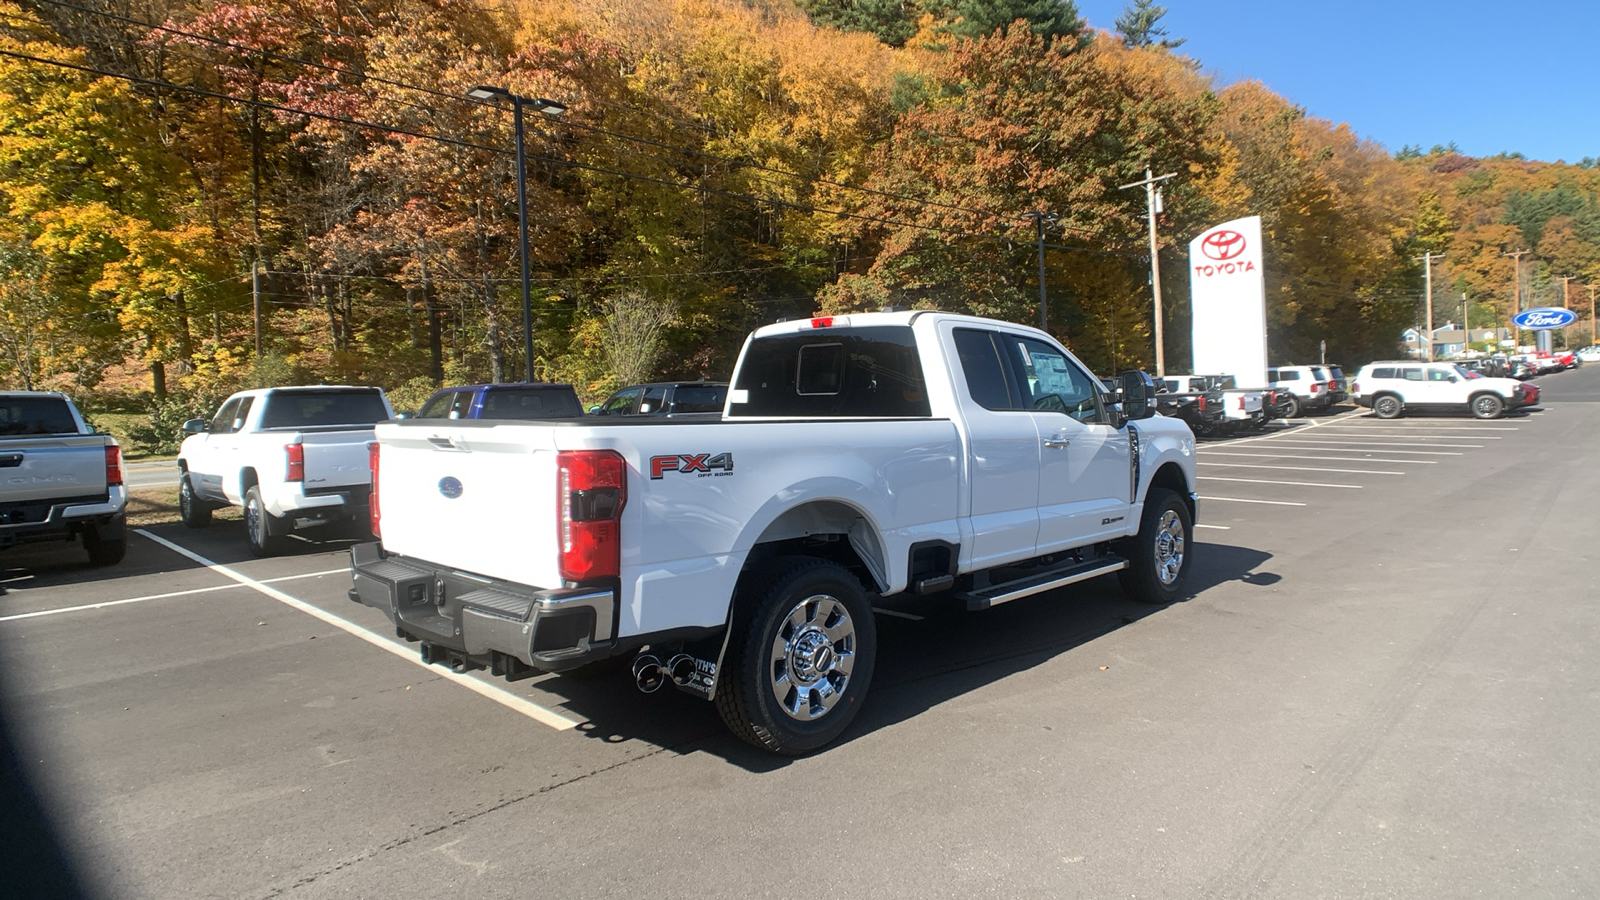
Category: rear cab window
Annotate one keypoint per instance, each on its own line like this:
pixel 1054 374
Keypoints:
pixel 869 372
pixel 23 416
pixel 312 409
pixel 699 398
pixel 530 403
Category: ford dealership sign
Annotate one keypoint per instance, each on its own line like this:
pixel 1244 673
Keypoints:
pixel 1544 317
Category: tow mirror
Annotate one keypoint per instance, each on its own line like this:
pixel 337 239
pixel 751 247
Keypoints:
pixel 196 426
pixel 1137 389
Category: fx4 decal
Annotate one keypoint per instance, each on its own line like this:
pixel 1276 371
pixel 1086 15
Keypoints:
pixel 698 464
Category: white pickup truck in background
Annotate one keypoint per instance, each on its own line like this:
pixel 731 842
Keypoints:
pixel 1243 409
pixel 859 457
pixel 60 480
pixel 292 457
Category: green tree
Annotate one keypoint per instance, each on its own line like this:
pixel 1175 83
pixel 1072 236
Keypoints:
pixel 1140 26
pixel 891 21
pixel 1053 20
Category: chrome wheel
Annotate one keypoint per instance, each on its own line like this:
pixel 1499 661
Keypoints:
pixel 254 522
pixel 812 656
pixel 1169 546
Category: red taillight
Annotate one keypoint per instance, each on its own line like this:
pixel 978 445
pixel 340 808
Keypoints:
pixel 372 498
pixel 1241 403
pixel 296 454
pixel 1355 387
pixel 1316 386
pixel 1202 404
pixel 113 466
pixel 592 490
pixel 1333 385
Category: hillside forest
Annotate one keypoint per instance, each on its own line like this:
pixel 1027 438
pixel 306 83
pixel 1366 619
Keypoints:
pixel 170 167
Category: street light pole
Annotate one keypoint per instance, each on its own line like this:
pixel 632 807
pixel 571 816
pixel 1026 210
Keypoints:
pixel 1152 207
pixel 1040 220
pixel 549 107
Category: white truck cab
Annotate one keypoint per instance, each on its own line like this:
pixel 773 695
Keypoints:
pixel 876 455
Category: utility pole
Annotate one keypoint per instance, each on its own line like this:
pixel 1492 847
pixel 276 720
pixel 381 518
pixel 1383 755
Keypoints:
pixel 1565 282
pixel 1152 201
pixel 1427 262
pixel 255 300
pixel 1516 336
pixel 1040 220
pixel 1591 314
pixel 1466 327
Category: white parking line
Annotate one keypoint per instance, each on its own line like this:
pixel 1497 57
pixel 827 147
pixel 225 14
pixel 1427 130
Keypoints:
pixel 1420 462
pixel 1300 468
pixel 504 698
pixel 1217 527
pixel 204 590
pixel 1364 443
pixel 1421 436
pixel 1265 502
pixel 1335 447
pixel 1262 481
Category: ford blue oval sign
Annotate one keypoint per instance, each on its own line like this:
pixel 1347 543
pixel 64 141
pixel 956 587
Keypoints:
pixel 450 487
pixel 1544 317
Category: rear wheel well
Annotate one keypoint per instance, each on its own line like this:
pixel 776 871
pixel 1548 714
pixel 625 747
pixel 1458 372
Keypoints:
pixel 247 480
pixel 823 530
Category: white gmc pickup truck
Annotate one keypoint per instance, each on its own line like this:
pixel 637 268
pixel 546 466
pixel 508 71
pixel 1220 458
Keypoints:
pixel 858 457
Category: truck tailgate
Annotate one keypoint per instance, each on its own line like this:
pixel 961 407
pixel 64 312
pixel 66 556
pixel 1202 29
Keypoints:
pixel 470 498
pixel 55 467
pixel 336 459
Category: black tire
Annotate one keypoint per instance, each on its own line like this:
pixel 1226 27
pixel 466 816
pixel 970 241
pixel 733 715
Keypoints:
pixel 783 644
pixel 262 530
pixel 1292 408
pixel 1487 406
pixel 194 512
pixel 1387 406
pixel 1161 554
pixel 104 551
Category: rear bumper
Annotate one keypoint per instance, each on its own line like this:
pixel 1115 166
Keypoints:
pixel 294 502
pixel 469 621
pixel 46 521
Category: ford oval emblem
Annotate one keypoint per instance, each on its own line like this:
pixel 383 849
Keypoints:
pixel 1544 317
pixel 450 487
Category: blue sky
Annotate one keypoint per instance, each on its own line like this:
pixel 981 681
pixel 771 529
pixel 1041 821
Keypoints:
pixel 1492 77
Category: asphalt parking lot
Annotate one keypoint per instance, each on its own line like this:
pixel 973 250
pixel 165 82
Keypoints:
pixel 1383 685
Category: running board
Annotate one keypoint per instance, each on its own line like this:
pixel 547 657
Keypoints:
pixel 1038 584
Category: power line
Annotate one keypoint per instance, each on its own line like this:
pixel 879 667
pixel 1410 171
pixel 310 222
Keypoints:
pixel 363 76
pixel 734 195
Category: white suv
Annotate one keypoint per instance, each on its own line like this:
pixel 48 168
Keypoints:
pixel 1308 387
pixel 1393 388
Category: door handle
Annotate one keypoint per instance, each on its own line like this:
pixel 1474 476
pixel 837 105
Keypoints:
pixel 1056 442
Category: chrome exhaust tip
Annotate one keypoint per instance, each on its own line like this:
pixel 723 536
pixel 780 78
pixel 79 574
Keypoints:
pixel 648 675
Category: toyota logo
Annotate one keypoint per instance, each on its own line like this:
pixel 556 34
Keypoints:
pixel 1222 245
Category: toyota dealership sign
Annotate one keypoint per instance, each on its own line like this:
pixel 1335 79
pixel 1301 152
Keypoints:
pixel 1229 302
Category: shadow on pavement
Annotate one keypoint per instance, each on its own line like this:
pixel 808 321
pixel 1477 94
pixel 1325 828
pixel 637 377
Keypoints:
pixel 921 664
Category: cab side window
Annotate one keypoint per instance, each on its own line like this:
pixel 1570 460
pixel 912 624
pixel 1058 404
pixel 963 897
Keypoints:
pixel 621 404
pixel 223 423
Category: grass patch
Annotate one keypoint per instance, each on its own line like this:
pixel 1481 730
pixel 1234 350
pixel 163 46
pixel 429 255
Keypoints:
pixel 159 506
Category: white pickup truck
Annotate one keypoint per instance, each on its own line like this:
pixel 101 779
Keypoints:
pixel 60 480
pixel 858 458
pixel 291 456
